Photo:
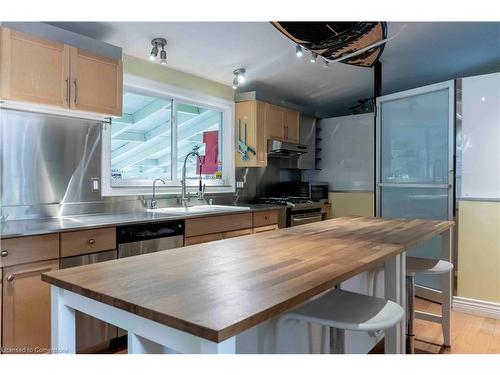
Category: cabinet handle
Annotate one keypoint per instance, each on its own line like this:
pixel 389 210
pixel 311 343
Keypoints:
pixel 67 91
pixel 286 132
pixel 4 253
pixel 10 278
pixel 76 91
pixel 266 217
pixel 91 241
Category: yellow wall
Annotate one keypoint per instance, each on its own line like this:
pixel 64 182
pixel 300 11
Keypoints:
pixel 351 203
pixel 479 250
pixel 156 72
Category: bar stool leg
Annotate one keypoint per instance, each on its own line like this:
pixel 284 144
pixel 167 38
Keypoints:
pixel 410 316
pixel 447 287
pixel 446 308
pixel 337 338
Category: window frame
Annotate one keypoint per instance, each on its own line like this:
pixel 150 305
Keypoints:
pixel 164 91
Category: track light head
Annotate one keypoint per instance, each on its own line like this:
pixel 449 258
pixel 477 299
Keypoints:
pixel 154 53
pixel 298 50
pixel 163 57
pixel 314 55
pixel 235 83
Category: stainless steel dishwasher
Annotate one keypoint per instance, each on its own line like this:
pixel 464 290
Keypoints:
pixel 147 238
pixel 91 334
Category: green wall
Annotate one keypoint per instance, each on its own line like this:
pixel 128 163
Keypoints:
pixel 156 72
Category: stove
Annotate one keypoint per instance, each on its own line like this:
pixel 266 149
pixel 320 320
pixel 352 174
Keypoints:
pixel 299 210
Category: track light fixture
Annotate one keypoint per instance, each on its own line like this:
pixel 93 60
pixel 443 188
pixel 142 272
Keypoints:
pixel 239 77
pixel 158 43
pixel 298 50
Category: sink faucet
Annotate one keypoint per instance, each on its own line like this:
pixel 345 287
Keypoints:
pixel 153 200
pixel 201 188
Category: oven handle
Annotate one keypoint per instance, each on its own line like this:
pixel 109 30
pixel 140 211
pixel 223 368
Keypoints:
pixel 309 217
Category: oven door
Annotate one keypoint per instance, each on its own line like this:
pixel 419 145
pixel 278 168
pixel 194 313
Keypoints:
pixel 300 219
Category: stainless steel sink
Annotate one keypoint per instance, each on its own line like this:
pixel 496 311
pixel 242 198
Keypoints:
pixel 198 209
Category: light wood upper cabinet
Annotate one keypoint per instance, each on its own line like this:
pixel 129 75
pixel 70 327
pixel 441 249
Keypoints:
pixel 26 306
pixel 291 130
pixel 45 72
pixel 33 69
pixel 283 124
pixel 251 127
pixel 276 122
pixel 96 83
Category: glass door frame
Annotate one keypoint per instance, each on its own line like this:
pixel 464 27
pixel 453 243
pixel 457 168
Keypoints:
pixel 447 85
pixel 422 291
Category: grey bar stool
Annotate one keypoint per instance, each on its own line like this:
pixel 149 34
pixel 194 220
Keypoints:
pixel 344 310
pixel 423 266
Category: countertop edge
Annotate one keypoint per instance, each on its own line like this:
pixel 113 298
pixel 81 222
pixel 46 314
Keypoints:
pixel 161 218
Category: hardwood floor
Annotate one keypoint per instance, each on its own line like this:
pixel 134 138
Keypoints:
pixel 470 334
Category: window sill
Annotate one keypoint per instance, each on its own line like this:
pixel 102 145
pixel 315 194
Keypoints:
pixel 162 190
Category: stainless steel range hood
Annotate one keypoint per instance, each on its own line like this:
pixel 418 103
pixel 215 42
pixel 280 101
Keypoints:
pixel 285 149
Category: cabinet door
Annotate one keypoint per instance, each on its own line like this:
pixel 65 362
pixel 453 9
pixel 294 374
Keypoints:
pixel 251 115
pixel 291 126
pixel 276 122
pixel 33 69
pixel 26 307
pixel 246 132
pixel 96 83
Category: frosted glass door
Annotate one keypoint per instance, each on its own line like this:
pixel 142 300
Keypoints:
pixel 415 162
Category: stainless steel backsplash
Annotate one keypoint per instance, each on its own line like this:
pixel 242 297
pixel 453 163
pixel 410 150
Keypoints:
pixel 48 163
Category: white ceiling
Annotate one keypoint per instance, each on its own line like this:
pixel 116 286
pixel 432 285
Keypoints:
pixel 421 54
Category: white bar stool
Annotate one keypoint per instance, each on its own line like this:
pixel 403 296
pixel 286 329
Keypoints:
pixel 344 310
pixel 423 266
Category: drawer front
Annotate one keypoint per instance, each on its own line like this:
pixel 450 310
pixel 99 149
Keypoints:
pixel 217 224
pixel 237 233
pixel 202 239
pixel 266 228
pixel 265 218
pixel 29 249
pixel 87 241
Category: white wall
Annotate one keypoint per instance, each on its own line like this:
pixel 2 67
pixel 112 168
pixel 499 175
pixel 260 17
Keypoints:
pixel 347 153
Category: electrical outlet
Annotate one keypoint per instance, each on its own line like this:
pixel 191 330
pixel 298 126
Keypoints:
pixel 239 184
pixel 95 185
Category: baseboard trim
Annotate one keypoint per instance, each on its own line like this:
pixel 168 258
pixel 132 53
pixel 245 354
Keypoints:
pixel 476 307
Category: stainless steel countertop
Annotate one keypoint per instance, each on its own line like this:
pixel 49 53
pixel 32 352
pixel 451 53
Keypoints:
pixel 18 228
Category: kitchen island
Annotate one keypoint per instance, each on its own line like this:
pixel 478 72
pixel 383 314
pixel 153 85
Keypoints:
pixel 200 298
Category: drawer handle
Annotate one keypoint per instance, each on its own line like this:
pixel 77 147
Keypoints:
pixel 266 217
pixel 4 253
pixel 10 278
pixel 91 241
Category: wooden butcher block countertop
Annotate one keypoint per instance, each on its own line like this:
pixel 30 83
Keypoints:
pixel 217 290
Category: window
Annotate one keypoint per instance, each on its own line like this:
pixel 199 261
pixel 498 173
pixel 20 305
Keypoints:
pixel 154 135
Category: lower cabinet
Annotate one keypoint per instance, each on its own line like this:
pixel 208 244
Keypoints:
pixel 26 308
